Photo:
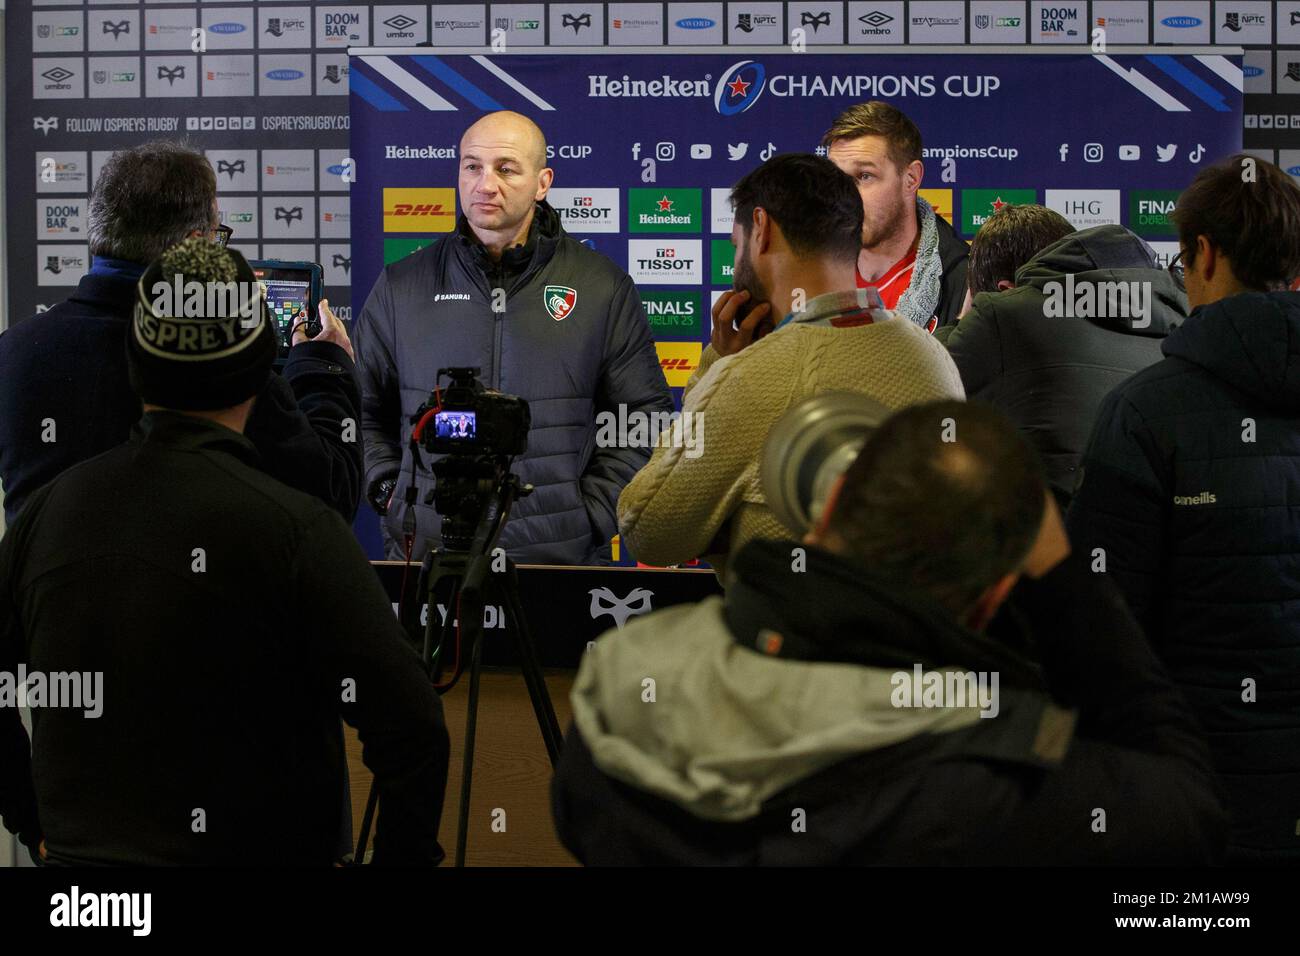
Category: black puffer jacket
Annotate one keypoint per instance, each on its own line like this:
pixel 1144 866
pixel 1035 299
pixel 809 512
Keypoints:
pixel 1049 373
pixel 433 310
pixel 1191 489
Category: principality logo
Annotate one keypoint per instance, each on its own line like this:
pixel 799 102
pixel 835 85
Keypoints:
pixel 559 301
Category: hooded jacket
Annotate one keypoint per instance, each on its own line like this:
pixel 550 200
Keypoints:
pixel 434 309
pixel 774 731
pixel 1190 488
pixel 1046 357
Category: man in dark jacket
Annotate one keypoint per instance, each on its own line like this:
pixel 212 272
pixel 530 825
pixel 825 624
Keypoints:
pixel 1084 314
pixel 64 395
pixel 1190 490
pixel 543 317
pixel 842 705
pixel 207 627
pixel 910 255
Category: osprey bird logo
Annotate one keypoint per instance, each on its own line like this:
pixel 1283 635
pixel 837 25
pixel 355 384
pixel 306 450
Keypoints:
pixel 45 124
pixel 288 215
pixel 343 262
pixel 118 28
pixel 231 166
pixel 815 20
pixel 577 22
pixel 171 74
pixel 605 601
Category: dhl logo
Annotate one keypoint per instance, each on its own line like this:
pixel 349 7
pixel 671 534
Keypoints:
pixel 678 360
pixel 419 209
pixel 940 199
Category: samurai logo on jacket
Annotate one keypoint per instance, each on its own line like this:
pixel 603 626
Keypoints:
pixel 559 300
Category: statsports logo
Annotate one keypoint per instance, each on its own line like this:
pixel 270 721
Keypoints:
pixel 419 209
pixel 559 300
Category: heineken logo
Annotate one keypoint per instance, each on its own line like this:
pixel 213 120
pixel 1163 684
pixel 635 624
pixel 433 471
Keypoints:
pixel 559 300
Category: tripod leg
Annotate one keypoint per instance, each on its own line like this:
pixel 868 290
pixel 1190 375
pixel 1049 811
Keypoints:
pixel 531 666
pixel 371 802
pixel 467 765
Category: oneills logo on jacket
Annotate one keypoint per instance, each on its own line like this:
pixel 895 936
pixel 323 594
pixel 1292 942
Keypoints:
pixel 559 300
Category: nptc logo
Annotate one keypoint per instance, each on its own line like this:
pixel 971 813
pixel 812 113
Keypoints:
pixel 332 73
pixel 605 601
pixel 559 300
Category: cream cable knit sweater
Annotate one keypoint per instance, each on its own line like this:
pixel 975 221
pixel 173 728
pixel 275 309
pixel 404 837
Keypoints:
pixel 674 507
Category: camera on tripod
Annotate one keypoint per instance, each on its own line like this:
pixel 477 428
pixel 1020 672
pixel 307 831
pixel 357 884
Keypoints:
pixel 478 431
pixel 471 419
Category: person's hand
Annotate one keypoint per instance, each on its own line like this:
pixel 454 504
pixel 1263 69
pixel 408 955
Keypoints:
pixel 331 330
pixel 730 336
pixel 1052 545
pixel 381 494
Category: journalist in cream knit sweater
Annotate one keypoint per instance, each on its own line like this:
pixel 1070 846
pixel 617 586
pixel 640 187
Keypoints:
pixel 677 507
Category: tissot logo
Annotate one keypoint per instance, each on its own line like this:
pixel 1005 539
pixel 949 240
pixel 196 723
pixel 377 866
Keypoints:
pixel 116 29
pixel 171 74
pixel 586 210
pixel 654 261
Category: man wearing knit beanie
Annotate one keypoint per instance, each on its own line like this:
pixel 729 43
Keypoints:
pixel 227 620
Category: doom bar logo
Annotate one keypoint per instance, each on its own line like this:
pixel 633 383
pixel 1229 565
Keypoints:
pixel 419 209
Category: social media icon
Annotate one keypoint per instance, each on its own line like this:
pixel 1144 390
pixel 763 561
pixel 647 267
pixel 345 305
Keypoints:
pixel 768 153
pixel 1165 154
pixel 701 151
pixel 1196 155
pixel 1093 152
pixel 636 150
pixel 1130 152
pixel 737 152
pixel 1065 151
pixel 665 152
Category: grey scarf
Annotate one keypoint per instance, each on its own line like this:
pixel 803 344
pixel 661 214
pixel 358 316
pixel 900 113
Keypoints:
pixel 921 300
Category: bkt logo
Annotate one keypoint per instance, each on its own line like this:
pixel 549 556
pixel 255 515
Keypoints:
pixel 1181 23
pixel 739 87
pixel 284 74
pixel 227 28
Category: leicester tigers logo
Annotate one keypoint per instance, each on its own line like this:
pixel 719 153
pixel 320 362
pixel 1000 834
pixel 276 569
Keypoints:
pixel 559 300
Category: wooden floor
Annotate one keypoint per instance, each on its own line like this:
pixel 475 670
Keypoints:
pixel 511 773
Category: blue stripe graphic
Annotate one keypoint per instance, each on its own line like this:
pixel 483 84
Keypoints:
pixel 1202 90
pixel 441 71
